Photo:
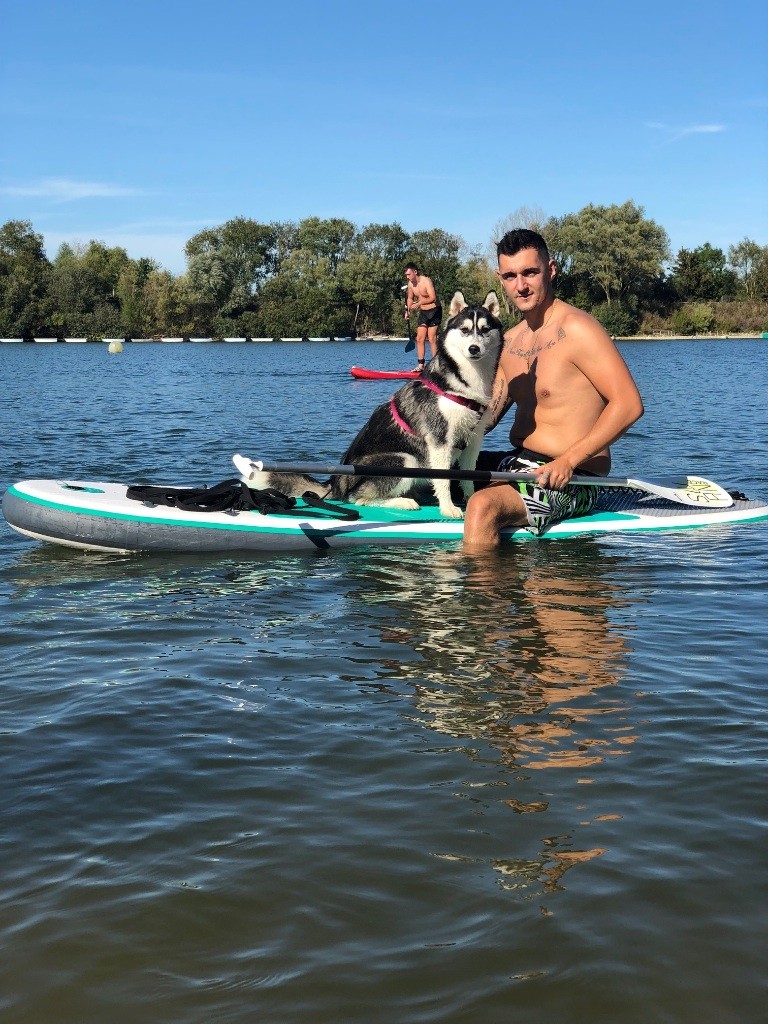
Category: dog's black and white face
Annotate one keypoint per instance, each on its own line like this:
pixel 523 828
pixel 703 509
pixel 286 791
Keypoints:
pixel 475 331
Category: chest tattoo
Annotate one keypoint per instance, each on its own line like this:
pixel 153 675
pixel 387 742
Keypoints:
pixel 536 347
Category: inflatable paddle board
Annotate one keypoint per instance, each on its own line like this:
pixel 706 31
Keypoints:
pixel 361 374
pixel 101 517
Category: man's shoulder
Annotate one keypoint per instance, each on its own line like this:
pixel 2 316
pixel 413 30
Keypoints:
pixel 579 321
pixel 573 313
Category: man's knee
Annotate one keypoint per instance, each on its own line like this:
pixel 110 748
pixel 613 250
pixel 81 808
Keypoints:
pixel 495 506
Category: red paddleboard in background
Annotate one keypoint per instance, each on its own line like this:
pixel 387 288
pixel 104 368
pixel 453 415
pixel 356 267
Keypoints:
pixel 360 374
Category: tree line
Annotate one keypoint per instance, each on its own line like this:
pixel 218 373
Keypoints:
pixel 322 277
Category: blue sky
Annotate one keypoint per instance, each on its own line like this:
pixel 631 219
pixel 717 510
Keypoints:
pixel 141 123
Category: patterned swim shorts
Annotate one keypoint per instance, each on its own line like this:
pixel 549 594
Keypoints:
pixel 544 505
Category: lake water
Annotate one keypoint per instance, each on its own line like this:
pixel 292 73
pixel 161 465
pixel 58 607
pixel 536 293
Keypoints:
pixel 391 785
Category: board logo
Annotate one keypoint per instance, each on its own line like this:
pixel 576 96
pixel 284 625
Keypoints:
pixel 702 492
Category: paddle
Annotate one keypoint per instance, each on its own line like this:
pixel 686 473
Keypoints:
pixel 684 490
pixel 411 344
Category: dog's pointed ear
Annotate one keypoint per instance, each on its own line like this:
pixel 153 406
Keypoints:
pixel 458 302
pixel 491 303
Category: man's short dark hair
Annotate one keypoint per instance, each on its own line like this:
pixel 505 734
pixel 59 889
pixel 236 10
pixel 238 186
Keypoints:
pixel 521 238
pixel 411 266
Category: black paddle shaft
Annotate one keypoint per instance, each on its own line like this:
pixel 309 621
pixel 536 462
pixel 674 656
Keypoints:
pixel 415 473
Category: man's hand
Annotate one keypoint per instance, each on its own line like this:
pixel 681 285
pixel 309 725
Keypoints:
pixel 555 474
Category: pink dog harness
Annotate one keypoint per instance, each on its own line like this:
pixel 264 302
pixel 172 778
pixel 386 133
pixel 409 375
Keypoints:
pixel 469 403
pixel 399 419
pixel 459 399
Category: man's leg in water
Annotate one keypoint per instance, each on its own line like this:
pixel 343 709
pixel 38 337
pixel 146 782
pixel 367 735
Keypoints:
pixel 488 512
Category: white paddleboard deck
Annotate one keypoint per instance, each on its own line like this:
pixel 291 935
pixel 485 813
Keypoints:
pixel 100 517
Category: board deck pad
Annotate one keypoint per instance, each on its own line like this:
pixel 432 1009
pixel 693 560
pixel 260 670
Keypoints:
pixel 99 516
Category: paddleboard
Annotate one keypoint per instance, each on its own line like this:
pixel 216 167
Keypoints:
pixel 100 517
pixel 361 374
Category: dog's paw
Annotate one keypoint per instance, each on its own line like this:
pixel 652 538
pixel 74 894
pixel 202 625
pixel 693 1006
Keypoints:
pixel 407 504
pixel 451 512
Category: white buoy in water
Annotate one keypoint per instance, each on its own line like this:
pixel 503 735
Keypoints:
pixel 115 346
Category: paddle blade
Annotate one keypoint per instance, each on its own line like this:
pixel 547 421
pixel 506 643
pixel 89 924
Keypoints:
pixel 699 491
pixel 687 490
pixel 411 344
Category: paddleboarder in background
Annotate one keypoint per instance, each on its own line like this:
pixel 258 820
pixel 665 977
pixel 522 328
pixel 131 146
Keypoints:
pixel 421 295
pixel 573 393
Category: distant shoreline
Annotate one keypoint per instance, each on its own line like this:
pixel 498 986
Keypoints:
pixel 372 339
pixel 690 337
pixel 637 337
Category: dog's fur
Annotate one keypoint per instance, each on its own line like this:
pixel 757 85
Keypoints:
pixel 421 427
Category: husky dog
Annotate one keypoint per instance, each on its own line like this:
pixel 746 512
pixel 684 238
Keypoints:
pixel 432 422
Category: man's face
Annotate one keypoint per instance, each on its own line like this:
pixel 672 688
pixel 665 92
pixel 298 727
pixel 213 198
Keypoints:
pixel 526 278
pixel 411 275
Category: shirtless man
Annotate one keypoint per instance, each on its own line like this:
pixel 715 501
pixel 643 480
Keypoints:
pixel 421 295
pixel 574 397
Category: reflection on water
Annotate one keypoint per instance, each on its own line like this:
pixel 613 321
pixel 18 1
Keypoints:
pixel 511 648
pixel 518 652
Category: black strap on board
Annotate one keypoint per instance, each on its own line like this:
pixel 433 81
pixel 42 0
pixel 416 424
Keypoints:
pixel 233 496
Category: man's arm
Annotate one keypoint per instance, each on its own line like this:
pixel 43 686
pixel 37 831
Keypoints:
pixel 500 401
pixel 429 295
pixel 601 363
pixel 408 300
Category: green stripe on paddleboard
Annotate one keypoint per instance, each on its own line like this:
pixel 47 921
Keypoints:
pixel 405 525
pixel 292 524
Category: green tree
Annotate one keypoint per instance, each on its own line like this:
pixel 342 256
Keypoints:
pixel 330 240
pixel 362 279
pixel 303 299
pixel 750 261
pixel 693 318
pixel 617 320
pixel 616 247
pixel 167 305
pixel 702 274
pixel 75 301
pixel 228 265
pixel 106 264
pixel 371 276
pixel 24 274
pixel 83 289
pixel 131 293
